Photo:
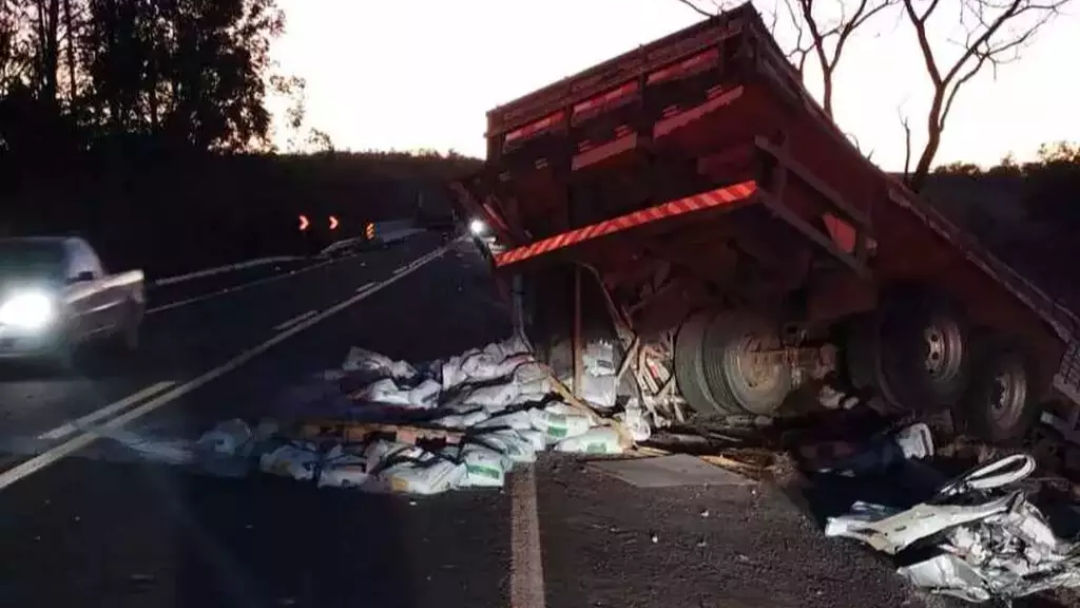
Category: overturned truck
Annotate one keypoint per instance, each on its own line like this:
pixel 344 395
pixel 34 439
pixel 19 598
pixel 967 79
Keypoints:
pixel 690 204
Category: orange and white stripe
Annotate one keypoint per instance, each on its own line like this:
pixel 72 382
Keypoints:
pixel 706 200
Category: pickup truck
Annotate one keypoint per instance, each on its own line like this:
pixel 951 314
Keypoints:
pixel 690 203
pixel 55 296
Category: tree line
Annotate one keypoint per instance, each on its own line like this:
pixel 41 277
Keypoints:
pixel 175 75
pixel 1050 184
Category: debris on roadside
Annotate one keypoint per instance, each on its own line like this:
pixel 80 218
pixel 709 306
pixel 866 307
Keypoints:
pixel 978 537
pixel 465 421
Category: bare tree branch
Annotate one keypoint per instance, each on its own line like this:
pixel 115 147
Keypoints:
pixel 858 145
pixel 802 49
pixel 996 31
pixel 907 142
pixel 838 34
pixel 698 9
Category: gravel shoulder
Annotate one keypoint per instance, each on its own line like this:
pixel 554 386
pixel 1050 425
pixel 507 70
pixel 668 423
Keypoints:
pixel 608 543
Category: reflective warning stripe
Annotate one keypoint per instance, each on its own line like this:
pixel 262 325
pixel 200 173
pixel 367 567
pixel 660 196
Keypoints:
pixel 535 127
pixel 705 200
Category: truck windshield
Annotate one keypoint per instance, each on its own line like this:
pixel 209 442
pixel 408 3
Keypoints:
pixel 30 258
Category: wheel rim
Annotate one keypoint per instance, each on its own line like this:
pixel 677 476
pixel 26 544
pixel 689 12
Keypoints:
pixel 1008 394
pixel 755 373
pixel 943 350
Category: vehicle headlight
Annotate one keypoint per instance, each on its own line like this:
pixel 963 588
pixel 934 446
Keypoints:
pixel 477 227
pixel 31 310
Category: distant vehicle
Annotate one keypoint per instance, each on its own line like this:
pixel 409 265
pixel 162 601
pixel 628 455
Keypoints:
pixel 353 246
pixel 55 296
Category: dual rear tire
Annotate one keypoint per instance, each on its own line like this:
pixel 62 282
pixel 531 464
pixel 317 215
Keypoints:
pixel 723 364
pixel 916 353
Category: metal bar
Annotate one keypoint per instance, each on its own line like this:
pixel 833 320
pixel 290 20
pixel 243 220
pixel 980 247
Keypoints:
pixel 729 196
pixel 577 337
pixel 783 212
pixel 811 180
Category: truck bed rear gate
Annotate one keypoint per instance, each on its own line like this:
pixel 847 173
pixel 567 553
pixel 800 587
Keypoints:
pixel 845 232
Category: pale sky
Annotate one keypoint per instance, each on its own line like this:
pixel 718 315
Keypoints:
pixel 422 73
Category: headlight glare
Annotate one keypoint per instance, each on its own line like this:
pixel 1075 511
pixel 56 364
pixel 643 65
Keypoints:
pixel 31 310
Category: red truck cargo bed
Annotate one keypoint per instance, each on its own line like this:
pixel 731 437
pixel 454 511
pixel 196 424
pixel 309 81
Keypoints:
pixel 706 140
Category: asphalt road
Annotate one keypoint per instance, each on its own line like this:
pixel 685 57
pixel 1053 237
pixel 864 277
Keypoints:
pixel 97 529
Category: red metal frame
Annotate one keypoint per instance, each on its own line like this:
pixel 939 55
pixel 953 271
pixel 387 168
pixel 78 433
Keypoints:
pixel 721 197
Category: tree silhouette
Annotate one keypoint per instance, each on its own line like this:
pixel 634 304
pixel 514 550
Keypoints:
pixel 171 74
pixel 995 32
pixel 189 73
pixel 822 29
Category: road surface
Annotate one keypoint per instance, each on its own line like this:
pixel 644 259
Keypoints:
pixel 89 529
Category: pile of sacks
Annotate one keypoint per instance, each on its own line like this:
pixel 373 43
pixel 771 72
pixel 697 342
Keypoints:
pixel 497 399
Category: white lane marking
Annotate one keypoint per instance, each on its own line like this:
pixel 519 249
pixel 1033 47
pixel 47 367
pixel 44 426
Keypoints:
pixel 66 429
pixel 237 288
pixel 295 320
pixel 364 287
pixel 67 448
pixel 401 269
pixel 223 269
pixel 526 559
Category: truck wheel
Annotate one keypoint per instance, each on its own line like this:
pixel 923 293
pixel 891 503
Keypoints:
pixel 863 359
pixel 914 352
pixel 690 368
pixel 1001 403
pixel 737 375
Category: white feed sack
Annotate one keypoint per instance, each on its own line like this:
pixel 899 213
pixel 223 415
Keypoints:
pixel 298 461
pixel 342 469
pixel 422 396
pixel 494 388
pixel 557 423
pixel 427 475
pixel 600 440
pixel 363 360
pixel 464 420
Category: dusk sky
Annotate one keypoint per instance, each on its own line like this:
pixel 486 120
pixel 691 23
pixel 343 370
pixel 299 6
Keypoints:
pixel 422 74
